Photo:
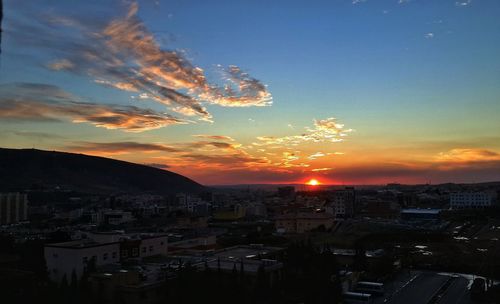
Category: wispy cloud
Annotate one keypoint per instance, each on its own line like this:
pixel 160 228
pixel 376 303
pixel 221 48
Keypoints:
pixel 463 3
pixel 429 35
pixel 117 148
pixel 321 169
pixel 465 155
pixel 324 130
pixel 214 137
pixel 41 102
pixel 125 55
pixel 316 155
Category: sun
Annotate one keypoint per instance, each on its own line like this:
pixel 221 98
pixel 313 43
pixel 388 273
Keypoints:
pixel 313 182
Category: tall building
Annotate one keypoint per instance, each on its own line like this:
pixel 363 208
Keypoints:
pixel 13 208
pixel 342 203
pixel 470 200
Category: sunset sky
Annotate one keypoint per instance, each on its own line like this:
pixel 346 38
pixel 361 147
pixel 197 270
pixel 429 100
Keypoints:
pixel 232 92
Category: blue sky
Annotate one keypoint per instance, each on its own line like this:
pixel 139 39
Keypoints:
pixel 401 74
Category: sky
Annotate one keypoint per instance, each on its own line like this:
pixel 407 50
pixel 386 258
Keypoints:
pixel 237 92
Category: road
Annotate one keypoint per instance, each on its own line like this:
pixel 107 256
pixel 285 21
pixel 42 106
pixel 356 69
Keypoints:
pixel 420 290
pixel 425 288
pixel 457 293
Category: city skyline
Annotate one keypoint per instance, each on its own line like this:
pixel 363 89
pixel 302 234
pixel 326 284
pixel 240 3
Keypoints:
pixel 344 92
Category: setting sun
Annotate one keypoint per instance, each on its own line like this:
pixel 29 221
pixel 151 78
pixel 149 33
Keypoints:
pixel 313 182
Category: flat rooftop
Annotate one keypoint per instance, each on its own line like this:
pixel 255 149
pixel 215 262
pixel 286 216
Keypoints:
pixel 248 252
pixel 79 244
pixel 421 211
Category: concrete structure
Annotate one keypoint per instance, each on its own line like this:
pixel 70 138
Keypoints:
pixel 13 208
pixel 470 200
pixel 302 222
pixel 232 213
pixel 100 249
pixel 117 217
pixel 342 203
pixel 64 258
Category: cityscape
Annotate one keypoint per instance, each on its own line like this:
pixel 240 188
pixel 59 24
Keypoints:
pixel 187 151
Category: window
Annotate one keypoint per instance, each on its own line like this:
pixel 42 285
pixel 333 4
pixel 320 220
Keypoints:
pixel 105 256
pixel 135 252
pixel 161 244
pixel 55 255
pixel 150 248
pixel 144 249
pixel 114 255
pixel 85 260
pixel 124 253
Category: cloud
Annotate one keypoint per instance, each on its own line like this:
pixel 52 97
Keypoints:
pixel 316 155
pixel 214 137
pixel 321 169
pixel 325 130
pixel 463 3
pixel 429 35
pixel 358 1
pixel 37 135
pixel 467 156
pixel 41 102
pixel 125 55
pixel 118 148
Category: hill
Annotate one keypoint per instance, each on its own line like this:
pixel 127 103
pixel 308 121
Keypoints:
pixel 22 169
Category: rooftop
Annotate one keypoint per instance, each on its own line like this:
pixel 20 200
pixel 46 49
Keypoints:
pixel 421 211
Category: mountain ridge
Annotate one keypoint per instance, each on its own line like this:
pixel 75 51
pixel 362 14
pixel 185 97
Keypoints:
pixel 22 169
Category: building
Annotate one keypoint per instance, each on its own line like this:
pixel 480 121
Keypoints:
pixel 231 213
pixel 470 200
pixel 302 222
pixel 117 217
pixel 13 208
pixel 100 249
pixel 342 203
pixel 381 210
pixel 64 258
pixel 287 192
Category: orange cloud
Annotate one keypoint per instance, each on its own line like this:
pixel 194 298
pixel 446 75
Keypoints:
pixel 467 155
pixel 125 55
pixel 39 102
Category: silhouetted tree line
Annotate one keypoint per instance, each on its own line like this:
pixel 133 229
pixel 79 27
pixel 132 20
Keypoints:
pixel 309 275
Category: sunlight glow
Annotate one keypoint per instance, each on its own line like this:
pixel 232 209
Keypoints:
pixel 313 182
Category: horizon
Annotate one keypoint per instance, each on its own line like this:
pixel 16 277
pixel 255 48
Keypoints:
pixel 344 92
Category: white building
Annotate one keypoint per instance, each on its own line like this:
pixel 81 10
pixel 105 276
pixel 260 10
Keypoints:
pixel 470 200
pixel 13 208
pixel 64 258
pixel 100 249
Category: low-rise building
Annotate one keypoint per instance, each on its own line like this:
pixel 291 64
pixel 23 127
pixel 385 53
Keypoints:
pixel 100 249
pixel 302 222
pixel 77 256
pixel 470 200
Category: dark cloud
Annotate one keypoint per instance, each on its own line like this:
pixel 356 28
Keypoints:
pixel 41 102
pixel 118 147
